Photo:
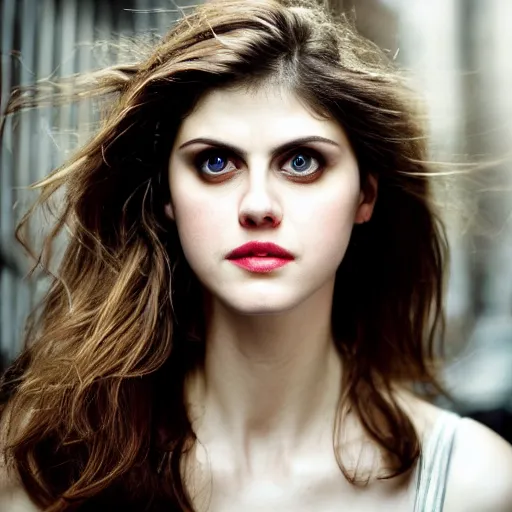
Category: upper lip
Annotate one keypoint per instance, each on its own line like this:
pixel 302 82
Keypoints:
pixel 266 249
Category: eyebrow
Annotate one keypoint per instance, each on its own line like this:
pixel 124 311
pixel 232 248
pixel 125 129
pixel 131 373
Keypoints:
pixel 274 152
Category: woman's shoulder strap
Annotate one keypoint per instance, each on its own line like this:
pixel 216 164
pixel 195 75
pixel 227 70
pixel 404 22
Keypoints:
pixel 434 464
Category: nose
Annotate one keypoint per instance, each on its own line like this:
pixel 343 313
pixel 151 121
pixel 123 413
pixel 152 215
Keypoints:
pixel 259 207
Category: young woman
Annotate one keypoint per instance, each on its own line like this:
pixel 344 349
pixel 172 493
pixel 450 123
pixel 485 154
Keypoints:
pixel 251 289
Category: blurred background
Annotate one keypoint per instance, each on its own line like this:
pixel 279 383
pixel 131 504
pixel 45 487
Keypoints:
pixel 457 54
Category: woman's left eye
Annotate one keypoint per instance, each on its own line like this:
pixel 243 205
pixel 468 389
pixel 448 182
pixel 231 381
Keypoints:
pixel 302 164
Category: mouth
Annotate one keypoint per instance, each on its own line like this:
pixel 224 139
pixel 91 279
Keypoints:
pixel 260 250
pixel 260 257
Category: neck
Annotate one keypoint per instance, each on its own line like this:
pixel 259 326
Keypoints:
pixel 268 379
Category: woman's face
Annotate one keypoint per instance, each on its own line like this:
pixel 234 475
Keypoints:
pixel 260 167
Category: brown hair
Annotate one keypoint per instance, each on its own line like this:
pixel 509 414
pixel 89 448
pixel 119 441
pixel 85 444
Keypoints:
pixel 88 424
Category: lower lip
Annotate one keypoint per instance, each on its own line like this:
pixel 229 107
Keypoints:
pixel 261 265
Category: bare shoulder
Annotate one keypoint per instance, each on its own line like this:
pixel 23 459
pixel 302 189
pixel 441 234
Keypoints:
pixel 423 414
pixel 480 476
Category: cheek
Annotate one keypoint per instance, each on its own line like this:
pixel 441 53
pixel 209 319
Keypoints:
pixel 329 218
pixel 201 220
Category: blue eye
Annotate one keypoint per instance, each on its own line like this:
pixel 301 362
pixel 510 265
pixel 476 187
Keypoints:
pixel 215 163
pixel 304 164
pixel 301 162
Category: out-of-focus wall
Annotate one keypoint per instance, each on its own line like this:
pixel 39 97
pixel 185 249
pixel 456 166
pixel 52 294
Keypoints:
pixel 457 52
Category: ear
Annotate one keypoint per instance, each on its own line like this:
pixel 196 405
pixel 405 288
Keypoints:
pixel 169 210
pixel 367 199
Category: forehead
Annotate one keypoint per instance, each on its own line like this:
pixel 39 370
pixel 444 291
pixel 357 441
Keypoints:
pixel 258 116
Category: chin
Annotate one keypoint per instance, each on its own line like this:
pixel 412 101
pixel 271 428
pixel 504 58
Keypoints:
pixel 260 305
pixel 261 310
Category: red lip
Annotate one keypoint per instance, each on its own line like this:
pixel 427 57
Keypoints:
pixel 260 257
pixel 259 250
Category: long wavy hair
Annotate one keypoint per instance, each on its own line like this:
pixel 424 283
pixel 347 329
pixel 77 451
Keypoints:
pixel 94 414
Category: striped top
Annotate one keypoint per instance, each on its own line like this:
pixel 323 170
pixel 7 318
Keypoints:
pixel 434 463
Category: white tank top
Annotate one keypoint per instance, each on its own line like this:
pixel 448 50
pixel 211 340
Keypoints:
pixel 434 463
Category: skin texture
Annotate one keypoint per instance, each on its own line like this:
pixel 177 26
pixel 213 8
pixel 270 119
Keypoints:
pixel 260 198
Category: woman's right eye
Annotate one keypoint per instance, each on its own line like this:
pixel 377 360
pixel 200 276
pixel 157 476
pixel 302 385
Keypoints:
pixel 214 164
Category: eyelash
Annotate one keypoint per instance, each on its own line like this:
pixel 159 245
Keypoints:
pixel 204 156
